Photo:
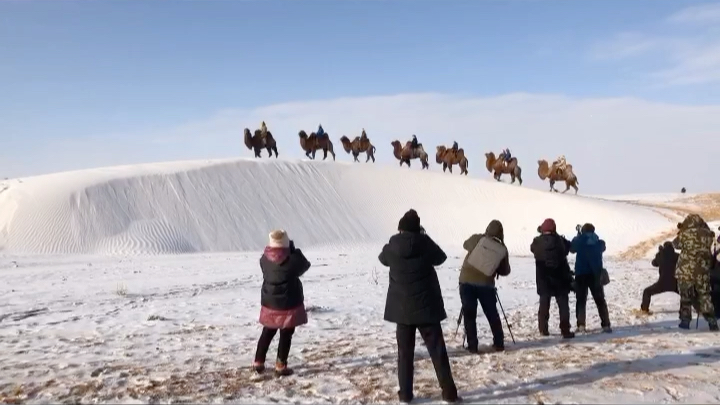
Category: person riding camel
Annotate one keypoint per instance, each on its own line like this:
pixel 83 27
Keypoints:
pixel 320 132
pixel 560 164
pixel 455 146
pixel 263 130
pixel 413 142
pixel 506 155
pixel 363 136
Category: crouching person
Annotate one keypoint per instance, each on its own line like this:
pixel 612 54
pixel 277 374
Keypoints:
pixel 666 260
pixel 552 276
pixel 282 299
pixel 414 302
pixel 487 258
pixel 588 276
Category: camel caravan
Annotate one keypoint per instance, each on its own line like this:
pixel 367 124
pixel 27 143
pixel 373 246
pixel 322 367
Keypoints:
pixel 503 163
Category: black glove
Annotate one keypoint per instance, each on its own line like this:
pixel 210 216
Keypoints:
pixel 292 246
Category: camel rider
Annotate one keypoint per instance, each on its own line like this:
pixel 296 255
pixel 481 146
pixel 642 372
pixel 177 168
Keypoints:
pixel 455 147
pixel 363 136
pixel 414 142
pixel 560 164
pixel 263 130
pixel 507 155
pixel 320 131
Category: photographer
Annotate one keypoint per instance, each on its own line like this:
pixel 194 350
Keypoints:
pixel 281 298
pixel 415 303
pixel 588 275
pixel 486 259
pixel 715 279
pixel 552 276
pixel 695 240
pixel 666 260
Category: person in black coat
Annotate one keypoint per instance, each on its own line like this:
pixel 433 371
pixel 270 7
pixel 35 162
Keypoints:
pixel 414 302
pixel 281 299
pixel 552 276
pixel 666 260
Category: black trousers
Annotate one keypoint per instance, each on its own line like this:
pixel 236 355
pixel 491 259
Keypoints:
pixel 266 338
pixel 655 289
pixel 563 303
pixel 433 336
pixel 715 296
pixel 583 283
pixel 470 295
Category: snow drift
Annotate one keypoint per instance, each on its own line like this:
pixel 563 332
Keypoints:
pixel 230 205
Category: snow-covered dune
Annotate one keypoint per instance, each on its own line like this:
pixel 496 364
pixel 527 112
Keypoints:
pixel 230 205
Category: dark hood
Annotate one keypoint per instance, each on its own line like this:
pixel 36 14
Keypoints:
pixel 408 244
pixel 495 229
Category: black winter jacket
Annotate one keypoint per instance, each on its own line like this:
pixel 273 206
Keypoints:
pixel 552 271
pixel 414 296
pixel 666 260
pixel 282 288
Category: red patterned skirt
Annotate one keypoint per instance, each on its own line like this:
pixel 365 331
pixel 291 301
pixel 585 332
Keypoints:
pixel 283 318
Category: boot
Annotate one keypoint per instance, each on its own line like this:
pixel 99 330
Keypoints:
pixel 684 325
pixel 607 329
pixel 282 370
pixel 580 329
pixel 568 334
pixel 405 399
pixel 714 327
pixel 258 367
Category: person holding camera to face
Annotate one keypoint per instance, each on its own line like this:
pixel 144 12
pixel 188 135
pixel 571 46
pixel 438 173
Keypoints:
pixel 695 240
pixel 415 303
pixel 666 261
pixel 589 270
pixel 281 298
pixel 552 276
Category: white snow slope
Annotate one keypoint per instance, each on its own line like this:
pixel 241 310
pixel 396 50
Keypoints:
pixel 230 205
pixel 183 329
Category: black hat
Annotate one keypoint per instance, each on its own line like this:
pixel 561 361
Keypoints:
pixel 410 222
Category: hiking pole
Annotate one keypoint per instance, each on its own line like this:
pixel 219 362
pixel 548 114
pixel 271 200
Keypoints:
pixel 503 312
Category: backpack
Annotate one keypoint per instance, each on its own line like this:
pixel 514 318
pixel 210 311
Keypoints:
pixel 487 255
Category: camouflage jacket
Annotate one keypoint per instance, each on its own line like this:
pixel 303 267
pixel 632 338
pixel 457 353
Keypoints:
pixel 694 240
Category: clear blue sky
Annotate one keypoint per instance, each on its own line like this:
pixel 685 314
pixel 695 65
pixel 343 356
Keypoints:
pixel 85 68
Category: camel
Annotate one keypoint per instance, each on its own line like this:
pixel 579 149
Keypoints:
pixel 256 143
pixel 498 167
pixel 311 143
pixel 463 166
pixel 568 176
pixel 358 146
pixel 405 155
pixel 448 158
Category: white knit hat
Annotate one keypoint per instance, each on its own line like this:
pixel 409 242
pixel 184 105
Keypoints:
pixel 279 239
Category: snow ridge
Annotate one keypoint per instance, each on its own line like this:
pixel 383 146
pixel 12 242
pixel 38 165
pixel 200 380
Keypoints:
pixel 231 205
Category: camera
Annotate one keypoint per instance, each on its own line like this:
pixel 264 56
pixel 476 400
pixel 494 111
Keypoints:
pixel 578 227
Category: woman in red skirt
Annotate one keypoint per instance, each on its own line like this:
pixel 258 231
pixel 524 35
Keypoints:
pixel 282 299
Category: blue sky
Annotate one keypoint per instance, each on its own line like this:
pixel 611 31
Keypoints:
pixel 104 74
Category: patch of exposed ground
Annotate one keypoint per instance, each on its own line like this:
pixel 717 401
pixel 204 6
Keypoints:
pixel 706 205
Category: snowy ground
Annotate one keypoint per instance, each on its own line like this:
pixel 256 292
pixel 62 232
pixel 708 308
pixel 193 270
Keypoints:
pixel 183 328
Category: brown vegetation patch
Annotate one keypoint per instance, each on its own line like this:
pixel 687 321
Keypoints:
pixel 705 205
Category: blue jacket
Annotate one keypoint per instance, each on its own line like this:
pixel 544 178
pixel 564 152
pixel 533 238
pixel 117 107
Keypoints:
pixel 589 248
pixel 320 131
